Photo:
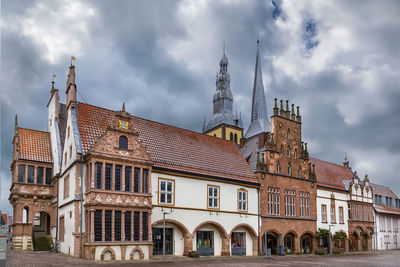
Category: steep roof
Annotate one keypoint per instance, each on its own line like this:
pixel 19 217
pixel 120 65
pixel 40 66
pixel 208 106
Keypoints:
pixel 383 191
pixel 171 147
pixel 385 209
pixel 34 145
pixel 62 124
pixel 331 174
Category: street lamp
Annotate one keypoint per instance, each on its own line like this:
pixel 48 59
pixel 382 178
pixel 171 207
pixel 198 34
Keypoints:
pixel 330 239
pixel 163 250
pixel 265 239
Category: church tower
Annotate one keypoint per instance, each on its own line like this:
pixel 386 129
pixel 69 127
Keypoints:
pixel 224 124
pixel 259 117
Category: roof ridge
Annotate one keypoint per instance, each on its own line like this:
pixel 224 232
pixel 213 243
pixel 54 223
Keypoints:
pixel 33 130
pixel 329 162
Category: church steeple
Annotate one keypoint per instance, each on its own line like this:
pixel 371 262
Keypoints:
pixel 259 117
pixel 223 104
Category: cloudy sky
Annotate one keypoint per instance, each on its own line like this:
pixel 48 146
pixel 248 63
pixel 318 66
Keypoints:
pixel 338 60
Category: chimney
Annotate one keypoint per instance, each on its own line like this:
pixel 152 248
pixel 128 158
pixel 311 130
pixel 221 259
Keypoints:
pixel 276 107
pixel 293 116
pixel 71 87
pixel 287 113
pixel 281 112
pixel 298 117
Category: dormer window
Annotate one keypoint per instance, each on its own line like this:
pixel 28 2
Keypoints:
pixel 123 142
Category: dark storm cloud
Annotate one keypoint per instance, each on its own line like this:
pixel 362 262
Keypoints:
pixel 339 62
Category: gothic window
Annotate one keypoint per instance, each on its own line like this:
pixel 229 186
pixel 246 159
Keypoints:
pixel 295 153
pixel 281 150
pixel 123 142
pixel 117 225
pixel 99 174
pixel 136 226
pixel 21 173
pixel 231 136
pixel 107 225
pixel 145 178
pixel 287 133
pixel 236 138
pixel 288 151
pixel 299 174
pixel 289 169
pixel 98 225
pixel 128 174
pixel 127 218
pixel 66 187
pixel 145 226
pixel 277 167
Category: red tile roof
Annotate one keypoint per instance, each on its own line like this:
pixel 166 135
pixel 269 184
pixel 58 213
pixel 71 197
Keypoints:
pixel 34 145
pixel 385 209
pixel 383 191
pixel 331 174
pixel 171 147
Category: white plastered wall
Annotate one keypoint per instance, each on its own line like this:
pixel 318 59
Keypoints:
pixel 323 198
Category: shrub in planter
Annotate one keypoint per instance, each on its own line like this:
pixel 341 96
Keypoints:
pixel 298 253
pixel 336 251
pixel 194 254
pixel 319 251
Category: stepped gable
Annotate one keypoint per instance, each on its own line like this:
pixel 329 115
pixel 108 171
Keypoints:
pixel 331 174
pixel 171 147
pixel 34 145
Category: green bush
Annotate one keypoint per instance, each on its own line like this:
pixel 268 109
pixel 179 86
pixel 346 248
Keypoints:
pixel 298 253
pixel 336 251
pixel 194 254
pixel 320 251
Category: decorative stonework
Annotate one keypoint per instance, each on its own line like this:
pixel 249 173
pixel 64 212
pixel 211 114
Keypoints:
pixel 140 252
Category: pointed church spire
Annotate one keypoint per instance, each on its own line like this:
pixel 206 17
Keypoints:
pixel 123 106
pixel 259 117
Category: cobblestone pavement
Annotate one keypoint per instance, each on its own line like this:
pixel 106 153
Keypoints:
pixel 383 258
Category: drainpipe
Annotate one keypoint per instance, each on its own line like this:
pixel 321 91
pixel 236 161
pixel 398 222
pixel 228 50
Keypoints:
pixel 58 182
pixel 259 218
pixel 81 220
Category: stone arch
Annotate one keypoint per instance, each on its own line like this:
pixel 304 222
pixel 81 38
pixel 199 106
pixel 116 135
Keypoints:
pixel 133 253
pixel 369 231
pixel 180 226
pixel 108 249
pixel 308 233
pixel 252 232
pixel 358 231
pixel 291 232
pixel 219 227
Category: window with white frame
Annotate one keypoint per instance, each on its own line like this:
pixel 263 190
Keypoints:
pixel 301 204
pixel 333 215
pixel 242 200
pixel 273 201
pixel 304 198
pixel 341 219
pixel 290 202
pixel 323 213
pixel 166 191
pixel 213 197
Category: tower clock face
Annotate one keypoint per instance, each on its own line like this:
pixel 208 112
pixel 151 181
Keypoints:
pixel 280 125
pixel 123 124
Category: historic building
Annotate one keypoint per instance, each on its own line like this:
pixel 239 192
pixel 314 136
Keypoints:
pixel 224 124
pixel 387 218
pixel 280 160
pixel 101 181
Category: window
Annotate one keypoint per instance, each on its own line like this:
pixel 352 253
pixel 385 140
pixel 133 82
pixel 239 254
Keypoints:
pixel 289 169
pixel 118 169
pixel 333 215
pixel 117 225
pixel 66 187
pixel 288 151
pixel 323 212
pixel 128 227
pixel 235 138
pixel 145 178
pixel 290 202
pixel 166 192
pixel 128 178
pixel 145 226
pixel 136 180
pixel 287 133
pixel 108 177
pixel 61 229
pixel 31 174
pixel 48 175
pixel 306 204
pixel 341 219
pixel 281 150
pixel 68 132
pixel 65 158
pixel 301 203
pixel 273 201
pixel 70 151
pixel 39 175
pixel 21 173
pixel 231 137
pixel 99 174
pixel 295 153
pixel 299 172
pixel 25 215
pixel 213 197
pixel 277 167
pixel 242 200
pixel 107 225
pixel 123 142
pixel 136 233
pixel 98 225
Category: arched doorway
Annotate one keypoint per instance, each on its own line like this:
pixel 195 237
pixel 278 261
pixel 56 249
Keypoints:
pixel 364 241
pixel 176 235
pixel 353 242
pixel 306 243
pixel 272 242
pixel 289 243
pixel 243 240
pixel 211 239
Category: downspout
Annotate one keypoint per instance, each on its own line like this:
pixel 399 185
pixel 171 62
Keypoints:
pixel 258 219
pixel 81 219
pixel 58 182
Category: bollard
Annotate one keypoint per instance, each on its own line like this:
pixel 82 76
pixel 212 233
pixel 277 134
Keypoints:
pixel 3 245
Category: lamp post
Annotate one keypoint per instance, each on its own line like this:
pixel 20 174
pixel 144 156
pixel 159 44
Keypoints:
pixel 163 250
pixel 330 239
pixel 265 239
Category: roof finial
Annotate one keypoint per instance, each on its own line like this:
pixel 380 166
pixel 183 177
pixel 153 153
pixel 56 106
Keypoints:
pixel 345 156
pixel 16 123
pixel 224 48
pixel 204 124
pixel 123 106
pixel 52 84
